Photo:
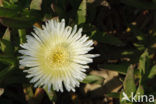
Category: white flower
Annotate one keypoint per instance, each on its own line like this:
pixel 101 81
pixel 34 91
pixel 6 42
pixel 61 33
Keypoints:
pixel 56 55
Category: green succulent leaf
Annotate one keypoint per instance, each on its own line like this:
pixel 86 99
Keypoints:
pixel 144 63
pixel 7 60
pixel 152 72
pixel 22 35
pixel 6 12
pixel 36 4
pixel 16 4
pixel 50 93
pixel 6 45
pixel 81 13
pixel 19 19
pixel 140 91
pixel 123 101
pixel 93 79
pixel 129 82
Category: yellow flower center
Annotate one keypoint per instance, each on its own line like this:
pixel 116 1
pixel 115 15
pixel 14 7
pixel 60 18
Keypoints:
pixel 59 56
pixel 54 57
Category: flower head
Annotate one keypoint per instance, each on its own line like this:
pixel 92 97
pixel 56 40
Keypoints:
pixel 56 55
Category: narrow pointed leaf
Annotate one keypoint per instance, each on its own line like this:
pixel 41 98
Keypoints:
pixel 93 79
pixel 6 45
pixel 152 72
pixel 6 12
pixel 50 93
pixel 140 91
pixel 144 62
pixel 19 19
pixel 7 60
pixel 82 12
pixel 123 101
pixel 36 4
pixel 129 82
pixel 22 35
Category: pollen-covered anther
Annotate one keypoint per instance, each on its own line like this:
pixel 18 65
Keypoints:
pixel 60 56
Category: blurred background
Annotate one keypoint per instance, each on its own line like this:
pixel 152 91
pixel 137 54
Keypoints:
pixel 124 34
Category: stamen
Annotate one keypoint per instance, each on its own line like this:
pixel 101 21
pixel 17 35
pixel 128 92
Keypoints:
pixel 59 56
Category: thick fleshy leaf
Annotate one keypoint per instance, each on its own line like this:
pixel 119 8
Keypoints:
pixel 7 60
pixel 81 13
pixel 93 79
pixel 140 91
pixel 129 82
pixel 50 93
pixel 16 4
pixel 22 35
pixel 122 101
pixel 6 45
pixel 152 72
pixel 17 19
pixel 9 3
pixel 144 63
pixel 18 22
pixel 6 12
pixel 36 4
